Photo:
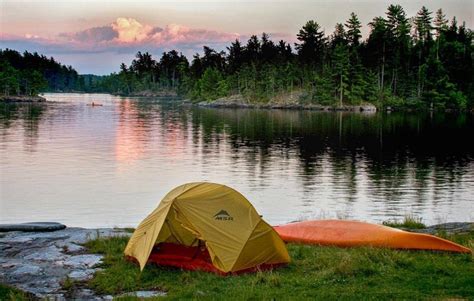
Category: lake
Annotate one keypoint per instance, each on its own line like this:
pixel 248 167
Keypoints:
pixel 110 165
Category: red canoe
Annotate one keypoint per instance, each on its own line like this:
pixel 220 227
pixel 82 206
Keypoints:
pixel 345 233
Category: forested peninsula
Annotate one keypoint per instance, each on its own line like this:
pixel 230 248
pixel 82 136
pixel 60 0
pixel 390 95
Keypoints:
pixel 31 73
pixel 407 62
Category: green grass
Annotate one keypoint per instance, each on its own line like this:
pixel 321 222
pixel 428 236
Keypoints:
pixel 408 222
pixel 314 273
pixel 9 293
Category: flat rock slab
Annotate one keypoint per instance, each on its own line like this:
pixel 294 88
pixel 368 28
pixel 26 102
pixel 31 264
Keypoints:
pixel 32 227
pixel 144 294
pixel 39 262
pixel 22 98
pixel 448 228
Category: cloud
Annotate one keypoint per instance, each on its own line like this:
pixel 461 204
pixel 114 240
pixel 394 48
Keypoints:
pixel 124 35
pixel 127 34
pixel 175 34
pixel 91 35
pixel 130 30
pixel 31 36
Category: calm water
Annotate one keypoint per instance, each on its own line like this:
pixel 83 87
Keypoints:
pixel 110 165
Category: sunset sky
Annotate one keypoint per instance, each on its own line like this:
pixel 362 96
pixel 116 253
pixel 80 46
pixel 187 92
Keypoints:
pixel 96 36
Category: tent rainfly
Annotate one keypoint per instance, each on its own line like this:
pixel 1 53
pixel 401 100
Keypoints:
pixel 207 226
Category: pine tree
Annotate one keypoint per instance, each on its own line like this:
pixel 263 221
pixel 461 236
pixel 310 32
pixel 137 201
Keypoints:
pixel 36 81
pixel 398 40
pixel 341 70
pixel 324 87
pixel 397 22
pixel 440 22
pixel 353 30
pixel 235 57
pixel 210 86
pixel 253 50
pixel 311 48
pixel 339 36
pixel 423 44
pixel 423 24
pixel 8 78
pixel 269 50
pixel 377 50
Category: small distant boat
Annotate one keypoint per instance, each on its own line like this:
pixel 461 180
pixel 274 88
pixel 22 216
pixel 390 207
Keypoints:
pixel 94 104
pixel 344 233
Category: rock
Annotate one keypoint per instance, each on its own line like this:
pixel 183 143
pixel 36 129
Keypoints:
pixel 22 98
pixel 368 108
pixel 82 275
pixel 26 258
pixel 32 227
pixel 28 270
pixel 50 253
pixel 448 228
pixel 297 100
pixel 7 265
pixel 149 93
pixel 83 261
pixel 233 101
pixel 17 239
pixel 87 294
pixel 56 297
pixel 40 288
pixel 144 294
pixel 69 248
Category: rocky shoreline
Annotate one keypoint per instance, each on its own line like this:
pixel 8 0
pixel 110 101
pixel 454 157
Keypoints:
pixel 451 228
pixel 291 102
pixel 149 93
pixel 39 263
pixel 21 99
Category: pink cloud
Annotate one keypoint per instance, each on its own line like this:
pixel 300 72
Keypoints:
pixel 178 34
pixel 129 32
pixel 121 38
pixel 91 35
pixel 128 35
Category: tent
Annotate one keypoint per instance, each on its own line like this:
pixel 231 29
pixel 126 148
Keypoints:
pixel 207 226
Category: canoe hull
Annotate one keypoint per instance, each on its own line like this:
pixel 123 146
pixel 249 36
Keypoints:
pixel 345 233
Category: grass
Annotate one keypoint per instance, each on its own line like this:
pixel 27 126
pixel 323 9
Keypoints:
pixel 408 222
pixel 314 273
pixel 8 293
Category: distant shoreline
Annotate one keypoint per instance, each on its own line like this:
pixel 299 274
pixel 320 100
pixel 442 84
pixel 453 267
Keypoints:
pixel 293 102
pixel 366 108
pixel 21 99
pixel 148 93
pixel 239 102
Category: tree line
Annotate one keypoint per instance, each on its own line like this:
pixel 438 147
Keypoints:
pixel 419 61
pixel 424 61
pixel 31 73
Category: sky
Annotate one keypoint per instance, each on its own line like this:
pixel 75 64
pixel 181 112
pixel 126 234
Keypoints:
pixel 96 36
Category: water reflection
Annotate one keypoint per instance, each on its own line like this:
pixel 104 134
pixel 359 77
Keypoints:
pixel 130 152
pixel 131 134
pixel 29 114
pixel 397 157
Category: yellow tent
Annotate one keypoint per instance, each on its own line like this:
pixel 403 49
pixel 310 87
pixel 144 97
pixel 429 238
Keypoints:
pixel 236 237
